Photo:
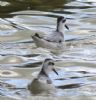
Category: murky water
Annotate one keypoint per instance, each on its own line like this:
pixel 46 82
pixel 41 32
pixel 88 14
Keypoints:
pixel 20 59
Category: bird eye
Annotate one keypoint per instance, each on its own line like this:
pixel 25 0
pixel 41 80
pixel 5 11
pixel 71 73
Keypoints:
pixel 64 20
pixel 60 41
pixel 51 63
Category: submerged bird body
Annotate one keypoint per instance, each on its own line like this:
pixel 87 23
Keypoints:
pixel 47 44
pixel 38 86
pixel 53 40
pixel 43 82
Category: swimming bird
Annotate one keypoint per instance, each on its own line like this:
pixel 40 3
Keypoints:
pixel 43 83
pixel 55 39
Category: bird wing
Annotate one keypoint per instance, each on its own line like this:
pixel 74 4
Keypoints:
pixel 55 37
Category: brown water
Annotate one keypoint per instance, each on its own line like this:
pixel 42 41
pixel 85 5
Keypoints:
pixel 20 59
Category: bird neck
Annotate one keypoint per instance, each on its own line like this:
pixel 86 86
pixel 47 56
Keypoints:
pixel 43 74
pixel 60 28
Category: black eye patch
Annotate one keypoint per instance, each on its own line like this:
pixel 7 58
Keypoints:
pixel 64 20
pixel 60 41
pixel 59 19
pixel 51 63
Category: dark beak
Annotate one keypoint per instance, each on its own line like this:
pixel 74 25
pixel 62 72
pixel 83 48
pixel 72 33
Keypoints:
pixel 55 71
pixel 67 27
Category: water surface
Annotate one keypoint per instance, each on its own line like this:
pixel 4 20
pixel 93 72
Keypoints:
pixel 20 59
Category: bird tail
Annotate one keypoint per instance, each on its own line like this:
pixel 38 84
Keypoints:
pixel 37 39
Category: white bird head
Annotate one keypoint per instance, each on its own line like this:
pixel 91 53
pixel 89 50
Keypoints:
pixel 48 65
pixel 61 23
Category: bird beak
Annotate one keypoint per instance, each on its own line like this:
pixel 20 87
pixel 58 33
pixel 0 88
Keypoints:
pixel 67 27
pixel 55 71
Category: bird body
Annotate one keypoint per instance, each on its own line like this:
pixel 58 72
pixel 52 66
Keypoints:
pixel 54 40
pixel 55 37
pixel 39 86
pixel 46 44
pixel 43 83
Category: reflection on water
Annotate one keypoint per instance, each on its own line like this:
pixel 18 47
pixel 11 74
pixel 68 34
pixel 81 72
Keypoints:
pixel 8 6
pixel 20 59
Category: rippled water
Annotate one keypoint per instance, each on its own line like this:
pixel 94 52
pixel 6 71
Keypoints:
pixel 20 59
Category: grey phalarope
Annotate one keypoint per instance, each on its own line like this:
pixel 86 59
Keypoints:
pixel 53 40
pixel 43 83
